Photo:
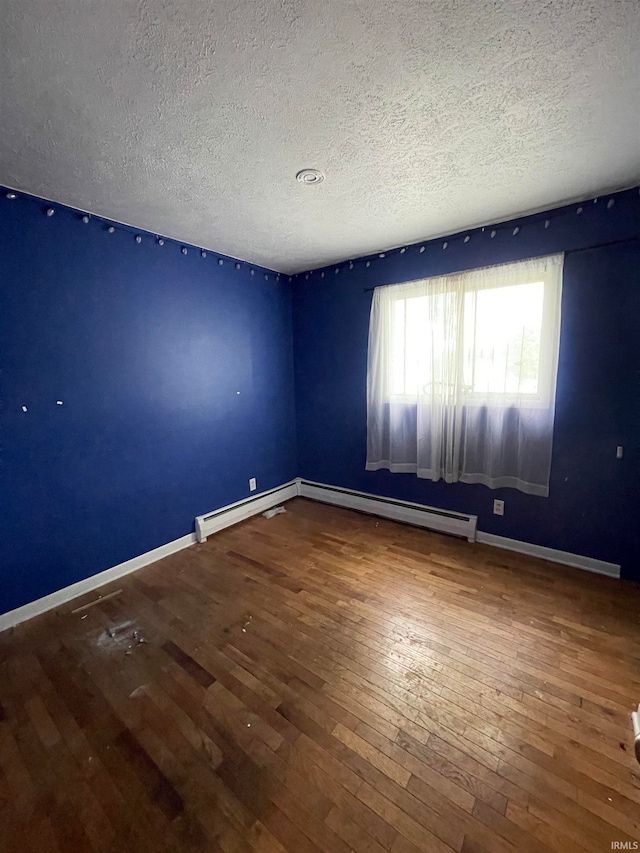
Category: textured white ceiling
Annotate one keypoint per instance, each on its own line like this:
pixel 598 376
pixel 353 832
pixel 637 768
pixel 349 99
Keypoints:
pixel 191 118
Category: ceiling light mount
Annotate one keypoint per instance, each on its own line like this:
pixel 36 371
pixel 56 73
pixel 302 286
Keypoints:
pixel 310 176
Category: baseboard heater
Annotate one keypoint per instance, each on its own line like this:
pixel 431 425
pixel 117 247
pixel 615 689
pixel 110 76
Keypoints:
pixel 232 514
pixel 444 521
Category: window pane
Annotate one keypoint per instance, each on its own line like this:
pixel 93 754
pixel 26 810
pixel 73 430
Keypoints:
pixel 502 336
pixel 397 355
pixel 418 346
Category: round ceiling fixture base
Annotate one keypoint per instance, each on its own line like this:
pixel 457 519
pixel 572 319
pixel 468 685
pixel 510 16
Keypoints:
pixel 310 176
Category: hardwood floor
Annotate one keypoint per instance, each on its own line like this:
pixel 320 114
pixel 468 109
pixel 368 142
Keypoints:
pixel 326 681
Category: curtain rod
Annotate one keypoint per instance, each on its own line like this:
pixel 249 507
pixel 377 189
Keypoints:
pixel 567 252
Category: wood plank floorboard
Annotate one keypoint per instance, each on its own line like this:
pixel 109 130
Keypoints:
pixel 326 681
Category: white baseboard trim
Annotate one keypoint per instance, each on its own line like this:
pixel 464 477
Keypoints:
pixel 67 593
pixel 232 514
pixel 406 512
pixel 225 517
pixel 589 564
pixel 420 515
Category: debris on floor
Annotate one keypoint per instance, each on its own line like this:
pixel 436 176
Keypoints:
pixel 116 630
pixel 97 600
pixel 275 511
pixel 139 640
pixel 122 635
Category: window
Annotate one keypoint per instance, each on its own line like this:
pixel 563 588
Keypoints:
pixel 501 345
pixel 475 351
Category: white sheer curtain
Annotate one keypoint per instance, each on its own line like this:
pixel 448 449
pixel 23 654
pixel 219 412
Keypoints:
pixel 461 375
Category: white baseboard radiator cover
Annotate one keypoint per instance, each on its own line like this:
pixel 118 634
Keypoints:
pixel 457 524
pixel 218 520
pixel 444 521
pixel 232 514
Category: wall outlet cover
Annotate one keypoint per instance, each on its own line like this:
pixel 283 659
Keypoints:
pixel 498 507
pixel 252 484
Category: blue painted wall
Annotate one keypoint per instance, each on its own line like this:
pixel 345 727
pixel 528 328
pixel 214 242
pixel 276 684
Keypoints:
pixel 147 349
pixel 594 503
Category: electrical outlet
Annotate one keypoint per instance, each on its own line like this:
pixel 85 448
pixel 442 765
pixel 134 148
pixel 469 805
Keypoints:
pixel 252 484
pixel 498 507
